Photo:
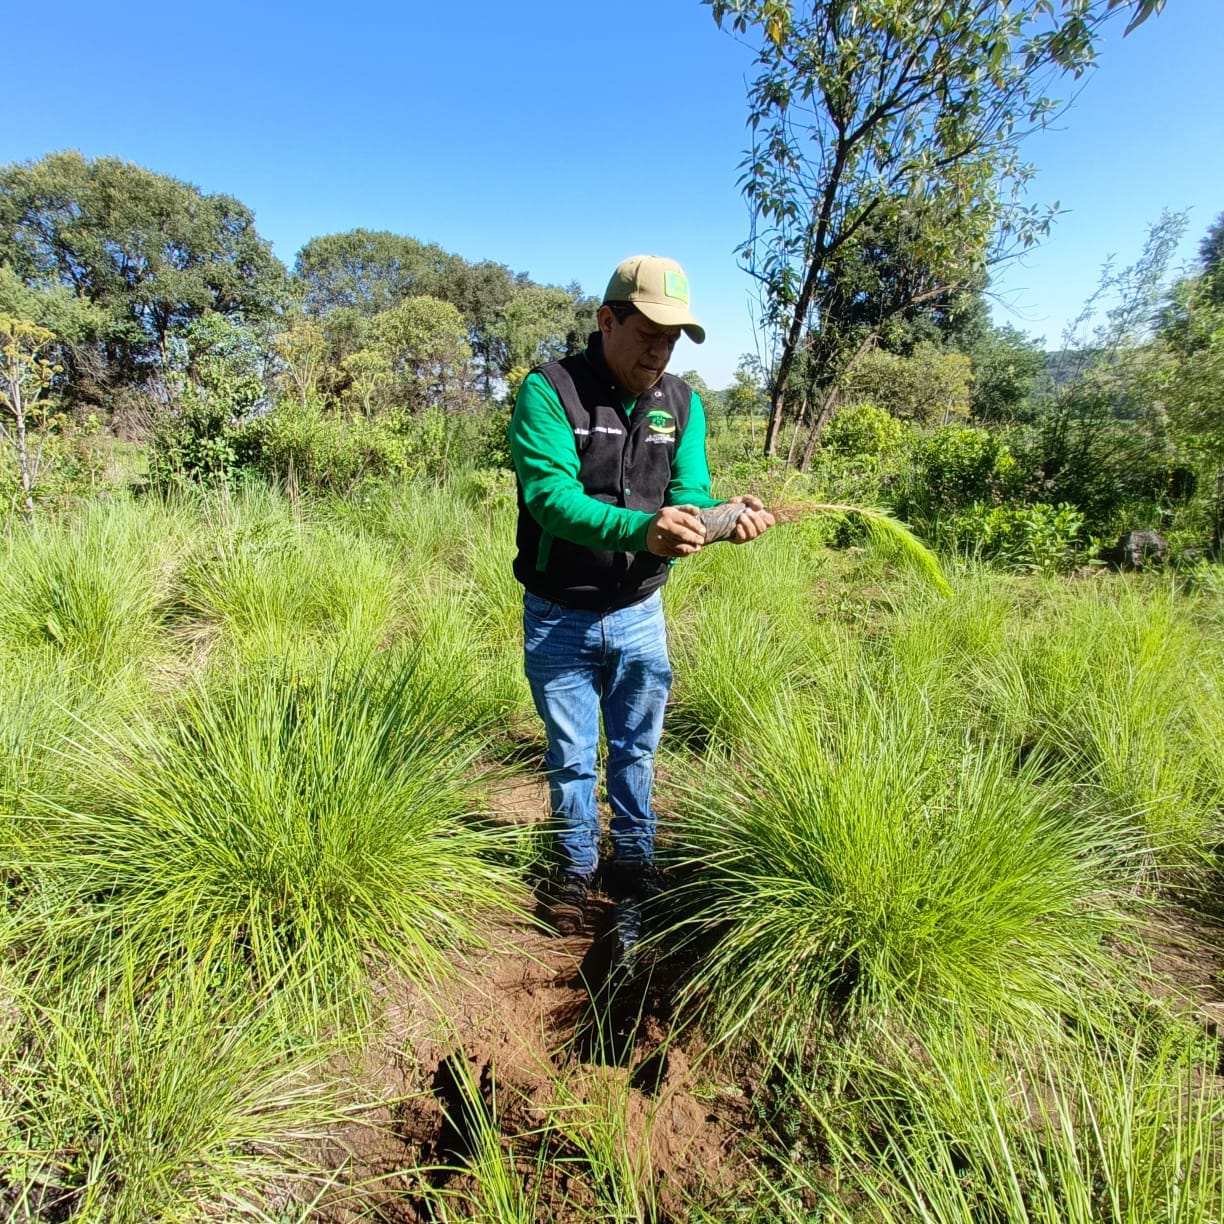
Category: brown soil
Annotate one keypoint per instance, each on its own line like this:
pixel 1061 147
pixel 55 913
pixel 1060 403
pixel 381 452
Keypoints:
pixel 542 1031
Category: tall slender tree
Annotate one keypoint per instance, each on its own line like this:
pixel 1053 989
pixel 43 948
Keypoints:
pixel 859 105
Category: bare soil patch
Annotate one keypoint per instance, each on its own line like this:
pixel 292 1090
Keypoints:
pixel 542 1028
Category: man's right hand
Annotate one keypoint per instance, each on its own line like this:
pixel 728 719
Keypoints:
pixel 676 531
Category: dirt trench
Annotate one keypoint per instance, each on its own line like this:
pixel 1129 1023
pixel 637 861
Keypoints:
pixel 537 1030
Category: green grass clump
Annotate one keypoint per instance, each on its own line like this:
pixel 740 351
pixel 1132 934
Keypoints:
pixel 1120 685
pixel 298 831
pixel 183 1105
pixel 266 585
pixel 859 865
pixel 732 651
pixel 1125 1130
pixel 92 589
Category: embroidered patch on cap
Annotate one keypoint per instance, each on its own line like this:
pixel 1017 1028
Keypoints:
pixel 675 285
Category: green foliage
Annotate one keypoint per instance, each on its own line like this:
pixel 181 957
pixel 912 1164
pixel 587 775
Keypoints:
pixel 1191 380
pixel 863 429
pixel 91 590
pixel 423 347
pixel 901 118
pixel 1040 538
pixel 1006 364
pixel 1101 438
pixel 1118 1128
pixel 181 1105
pixel 508 319
pixel 220 369
pixel 951 470
pixel 860 866
pixel 264 588
pixel 928 385
pixel 536 325
pixel 150 253
pixel 310 448
pixel 732 652
pixel 1124 688
pixel 25 375
pixel 196 441
pixel 369 271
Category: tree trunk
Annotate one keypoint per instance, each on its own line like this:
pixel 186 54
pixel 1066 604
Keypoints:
pixel 823 414
pixel 23 454
pixel 790 453
pixel 774 427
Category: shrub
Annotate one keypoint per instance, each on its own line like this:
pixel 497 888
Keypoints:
pixel 313 449
pixel 950 470
pixel 1040 539
pixel 863 429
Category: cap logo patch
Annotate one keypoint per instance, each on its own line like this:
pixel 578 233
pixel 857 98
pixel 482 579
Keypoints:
pixel 660 421
pixel 675 285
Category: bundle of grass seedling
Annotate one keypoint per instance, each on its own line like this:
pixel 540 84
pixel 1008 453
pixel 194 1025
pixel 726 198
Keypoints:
pixel 890 538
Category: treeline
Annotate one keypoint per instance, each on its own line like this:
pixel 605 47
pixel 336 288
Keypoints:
pixel 149 285
pixel 133 305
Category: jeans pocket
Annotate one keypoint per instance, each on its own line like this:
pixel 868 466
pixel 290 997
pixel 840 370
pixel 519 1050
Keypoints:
pixel 541 609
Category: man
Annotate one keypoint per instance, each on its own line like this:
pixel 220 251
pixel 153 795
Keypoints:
pixel 609 451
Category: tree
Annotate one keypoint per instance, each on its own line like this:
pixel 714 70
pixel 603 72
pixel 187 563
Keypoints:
pixel 25 376
pixel 1211 260
pixel 930 385
pixel 1006 364
pixel 511 321
pixel 1101 436
pixel 424 344
pixel 536 325
pixel 914 106
pixel 150 253
pixel 302 349
pixel 370 271
pixel 1191 378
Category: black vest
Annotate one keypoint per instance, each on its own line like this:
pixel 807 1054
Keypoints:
pixel 623 463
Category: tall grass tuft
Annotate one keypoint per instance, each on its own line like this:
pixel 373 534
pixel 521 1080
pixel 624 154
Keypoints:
pixel 734 650
pixel 859 865
pixel 294 831
pixel 264 585
pixel 888 537
pixel 92 589
pixel 1120 685
pixel 1117 1132
pixel 184 1105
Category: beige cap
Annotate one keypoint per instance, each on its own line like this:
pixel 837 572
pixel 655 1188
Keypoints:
pixel 659 289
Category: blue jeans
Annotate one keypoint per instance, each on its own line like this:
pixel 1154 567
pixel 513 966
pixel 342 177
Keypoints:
pixel 579 665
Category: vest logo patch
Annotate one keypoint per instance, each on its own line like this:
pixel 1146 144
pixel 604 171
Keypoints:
pixel 661 422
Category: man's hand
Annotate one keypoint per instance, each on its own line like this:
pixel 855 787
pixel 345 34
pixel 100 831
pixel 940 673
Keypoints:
pixel 753 522
pixel 676 531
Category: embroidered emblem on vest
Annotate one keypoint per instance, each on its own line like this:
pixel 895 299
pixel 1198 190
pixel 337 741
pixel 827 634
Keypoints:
pixel 660 421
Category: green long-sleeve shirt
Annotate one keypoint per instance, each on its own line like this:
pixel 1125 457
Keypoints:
pixel 547 463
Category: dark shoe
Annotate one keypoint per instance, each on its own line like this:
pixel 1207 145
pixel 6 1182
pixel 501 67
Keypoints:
pixel 568 901
pixel 640 882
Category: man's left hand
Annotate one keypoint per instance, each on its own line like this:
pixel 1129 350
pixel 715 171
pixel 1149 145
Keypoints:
pixel 753 522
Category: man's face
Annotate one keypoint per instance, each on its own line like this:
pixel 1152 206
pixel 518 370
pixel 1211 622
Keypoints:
pixel 637 351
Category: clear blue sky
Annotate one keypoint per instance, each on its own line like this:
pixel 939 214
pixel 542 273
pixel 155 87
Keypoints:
pixel 559 137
